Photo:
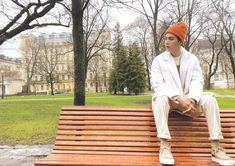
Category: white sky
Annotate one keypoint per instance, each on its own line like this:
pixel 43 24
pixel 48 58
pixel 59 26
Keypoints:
pixel 10 48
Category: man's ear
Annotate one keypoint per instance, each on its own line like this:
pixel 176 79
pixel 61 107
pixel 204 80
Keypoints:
pixel 180 42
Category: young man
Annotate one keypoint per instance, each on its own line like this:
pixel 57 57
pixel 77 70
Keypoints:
pixel 177 80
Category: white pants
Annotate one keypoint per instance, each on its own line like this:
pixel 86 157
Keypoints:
pixel 207 103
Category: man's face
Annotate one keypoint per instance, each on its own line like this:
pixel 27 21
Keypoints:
pixel 172 44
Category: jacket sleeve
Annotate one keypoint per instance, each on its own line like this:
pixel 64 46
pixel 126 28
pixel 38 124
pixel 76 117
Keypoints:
pixel 159 85
pixel 196 84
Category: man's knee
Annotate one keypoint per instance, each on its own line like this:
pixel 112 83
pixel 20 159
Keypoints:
pixel 208 101
pixel 163 100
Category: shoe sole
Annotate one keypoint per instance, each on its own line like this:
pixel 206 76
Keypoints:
pixel 224 162
pixel 167 161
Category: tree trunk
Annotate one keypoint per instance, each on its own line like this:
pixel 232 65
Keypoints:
pixel 148 78
pixel 208 83
pixel 51 84
pixel 79 56
pixel 27 87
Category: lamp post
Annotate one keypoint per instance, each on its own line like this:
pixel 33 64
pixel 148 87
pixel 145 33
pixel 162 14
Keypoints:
pixel 2 84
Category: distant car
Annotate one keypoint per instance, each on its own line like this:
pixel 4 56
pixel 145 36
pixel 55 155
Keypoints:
pixel 60 92
pixel 42 92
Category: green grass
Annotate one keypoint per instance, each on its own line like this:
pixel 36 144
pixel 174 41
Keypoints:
pixel 33 119
pixel 226 102
pixel 223 91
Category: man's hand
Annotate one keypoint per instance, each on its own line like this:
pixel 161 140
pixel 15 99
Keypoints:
pixel 192 106
pixel 184 104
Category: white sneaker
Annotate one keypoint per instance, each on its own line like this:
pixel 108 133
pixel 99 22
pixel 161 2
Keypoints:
pixel 165 155
pixel 219 156
pixel 223 162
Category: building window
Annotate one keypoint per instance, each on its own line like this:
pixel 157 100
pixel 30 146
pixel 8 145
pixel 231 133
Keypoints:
pixel 41 87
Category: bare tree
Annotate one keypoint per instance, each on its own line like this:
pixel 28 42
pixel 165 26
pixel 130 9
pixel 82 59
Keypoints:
pixel 95 68
pixel 50 55
pixel 97 35
pixel 152 10
pixel 226 67
pixel 30 49
pixel 227 15
pixel 216 45
pixel 99 67
pixel 19 16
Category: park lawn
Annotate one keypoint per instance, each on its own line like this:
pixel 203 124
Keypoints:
pixel 33 119
pixel 223 91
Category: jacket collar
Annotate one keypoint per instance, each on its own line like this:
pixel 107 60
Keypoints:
pixel 184 53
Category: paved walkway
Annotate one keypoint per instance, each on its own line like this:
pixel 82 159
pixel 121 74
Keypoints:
pixel 22 155
pixel 220 95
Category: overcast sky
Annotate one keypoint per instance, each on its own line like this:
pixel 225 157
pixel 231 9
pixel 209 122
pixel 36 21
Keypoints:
pixel 10 48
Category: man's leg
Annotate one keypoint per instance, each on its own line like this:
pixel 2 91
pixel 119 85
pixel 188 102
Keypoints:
pixel 211 111
pixel 161 111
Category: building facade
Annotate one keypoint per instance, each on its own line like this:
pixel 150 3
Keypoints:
pixel 12 78
pixel 223 77
pixel 54 69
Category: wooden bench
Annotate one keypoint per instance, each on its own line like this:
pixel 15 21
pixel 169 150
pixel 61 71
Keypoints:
pixel 89 135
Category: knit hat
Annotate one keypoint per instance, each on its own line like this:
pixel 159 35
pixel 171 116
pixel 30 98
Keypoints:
pixel 179 29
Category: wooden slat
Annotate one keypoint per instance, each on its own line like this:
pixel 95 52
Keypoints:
pixel 106 148
pixel 83 152
pixel 174 151
pixel 104 108
pixel 181 132
pixel 106 122
pixel 138 123
pixel 106 143
pixel 202 119
pixel 108 118
pixel 88 160
pixel 198 139
pixel 143 128
pixel 115 133
pixel 97 113
pixel 107 138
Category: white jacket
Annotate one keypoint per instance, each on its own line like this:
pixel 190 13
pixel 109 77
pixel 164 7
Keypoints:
pixel 166 80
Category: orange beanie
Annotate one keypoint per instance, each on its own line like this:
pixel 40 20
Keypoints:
pixel 179 29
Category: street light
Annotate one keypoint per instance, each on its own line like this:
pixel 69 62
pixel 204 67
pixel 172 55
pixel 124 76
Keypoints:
pixel 2 84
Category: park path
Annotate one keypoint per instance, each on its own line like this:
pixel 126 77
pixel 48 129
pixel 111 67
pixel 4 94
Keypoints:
pixel 22 155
